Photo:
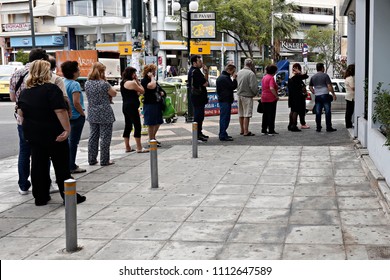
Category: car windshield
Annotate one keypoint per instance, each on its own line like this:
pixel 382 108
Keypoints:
pixel 173 80
pixel 7 69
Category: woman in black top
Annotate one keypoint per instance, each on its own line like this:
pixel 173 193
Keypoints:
pixel 152 101
pixel 297 97
pixel 131 89
pixel 46 127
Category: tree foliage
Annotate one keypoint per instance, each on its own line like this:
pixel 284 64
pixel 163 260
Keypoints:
pixel 320 40
pixel 248 22
pixel 22 56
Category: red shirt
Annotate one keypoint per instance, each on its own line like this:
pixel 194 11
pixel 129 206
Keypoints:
pixel 267 82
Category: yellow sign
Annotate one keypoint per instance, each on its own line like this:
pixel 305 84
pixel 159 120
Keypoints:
pixel 125 48
pixel 200 47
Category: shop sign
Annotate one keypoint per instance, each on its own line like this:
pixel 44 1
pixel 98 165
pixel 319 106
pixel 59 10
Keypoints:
pixel 291 46
pixel 12 27
pixel 200 47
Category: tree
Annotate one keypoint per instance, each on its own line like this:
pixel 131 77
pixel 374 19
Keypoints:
pixel 320 41
pixel 21 56
pixel 248 22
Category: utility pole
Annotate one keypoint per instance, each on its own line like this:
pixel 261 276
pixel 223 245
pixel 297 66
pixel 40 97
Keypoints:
pixel 32 24
pixel 272 31
pixel 334 39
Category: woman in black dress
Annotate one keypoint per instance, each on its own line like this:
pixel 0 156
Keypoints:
pixel 296 97
pixel 46 127
pixel 131 89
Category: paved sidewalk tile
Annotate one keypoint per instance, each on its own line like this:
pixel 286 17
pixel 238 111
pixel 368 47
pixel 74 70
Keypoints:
pixel 234 201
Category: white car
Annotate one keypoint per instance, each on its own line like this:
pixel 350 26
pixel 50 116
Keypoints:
pixel 339 90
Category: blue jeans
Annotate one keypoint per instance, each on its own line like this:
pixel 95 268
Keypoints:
pixel 224 119
pixel 322 101
pixel 76 128
pixel 23 161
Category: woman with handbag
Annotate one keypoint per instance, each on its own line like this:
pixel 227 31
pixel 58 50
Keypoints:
pixel 153 100
pixel 131 89
pixel 269 99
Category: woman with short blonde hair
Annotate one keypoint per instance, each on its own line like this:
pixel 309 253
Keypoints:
pixel 99 114
pixel 46 128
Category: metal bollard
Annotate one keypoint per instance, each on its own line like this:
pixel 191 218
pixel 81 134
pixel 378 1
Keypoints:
pixel 153 163
pixel 194 139
pixel 70 215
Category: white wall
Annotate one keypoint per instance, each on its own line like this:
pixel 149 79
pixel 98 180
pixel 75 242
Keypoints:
pixel 378 72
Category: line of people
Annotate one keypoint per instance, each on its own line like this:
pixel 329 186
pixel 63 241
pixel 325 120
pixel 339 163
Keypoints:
pixel 50 115
pixel 246 84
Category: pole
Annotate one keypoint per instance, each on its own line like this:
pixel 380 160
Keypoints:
pixel 272 31
pixel 32 24
pixel 194 140
pixel 190 111
pixel 223 53
pixel 153 163
pixel 334 38
pixel 70 215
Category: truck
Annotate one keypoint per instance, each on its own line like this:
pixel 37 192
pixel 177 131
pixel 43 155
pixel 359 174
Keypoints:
pixel 86 58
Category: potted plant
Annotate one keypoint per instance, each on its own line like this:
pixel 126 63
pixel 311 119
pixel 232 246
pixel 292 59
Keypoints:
pixel 382 111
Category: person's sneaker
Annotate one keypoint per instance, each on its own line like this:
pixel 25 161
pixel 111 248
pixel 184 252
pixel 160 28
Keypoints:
pixel 22 192
pixel 53 189
pixel 305 126
pixel 273 133
pixel 202 140
pixel 78 170
pixel 331 129
pixel 204 136
pixel 226 139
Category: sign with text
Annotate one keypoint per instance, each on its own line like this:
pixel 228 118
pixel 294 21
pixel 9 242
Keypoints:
pixel 12 27
pixel 212 107
pixel 203 30
pixel 202 25
pixel 200 47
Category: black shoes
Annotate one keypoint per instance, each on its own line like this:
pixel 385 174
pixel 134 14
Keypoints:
pixel 295 129
pixel 80 199
pixel 42 202
pixel 229 138
pixel 202 139
pixel 331 129
pixel 204 136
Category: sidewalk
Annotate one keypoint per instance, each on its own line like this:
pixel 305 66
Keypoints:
pixel 233 202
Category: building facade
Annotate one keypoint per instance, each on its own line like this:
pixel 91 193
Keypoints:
pixel 108 24
pixel 368 43
pixel 16 33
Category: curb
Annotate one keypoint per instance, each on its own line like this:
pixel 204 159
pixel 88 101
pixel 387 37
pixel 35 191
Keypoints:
pixel 377 181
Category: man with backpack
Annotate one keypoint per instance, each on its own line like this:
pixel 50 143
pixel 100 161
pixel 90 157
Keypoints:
pixel 17 84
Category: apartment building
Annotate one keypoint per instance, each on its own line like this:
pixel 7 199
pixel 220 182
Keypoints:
pixel 16 33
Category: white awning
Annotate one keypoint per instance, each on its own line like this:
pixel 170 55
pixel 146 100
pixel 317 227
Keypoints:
pixel 45 10
pixel 14 8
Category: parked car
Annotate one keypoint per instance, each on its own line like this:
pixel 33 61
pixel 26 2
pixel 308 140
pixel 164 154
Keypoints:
pixel 5 74
pixel 339 90
pixel 176 79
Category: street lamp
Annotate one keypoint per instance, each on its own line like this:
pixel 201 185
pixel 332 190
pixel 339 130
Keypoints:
pixel 192 6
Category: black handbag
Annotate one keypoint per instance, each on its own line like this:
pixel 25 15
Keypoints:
pixel 260 108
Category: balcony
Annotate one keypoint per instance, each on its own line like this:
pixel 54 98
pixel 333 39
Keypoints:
pixel 86 21
pixel 313 19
